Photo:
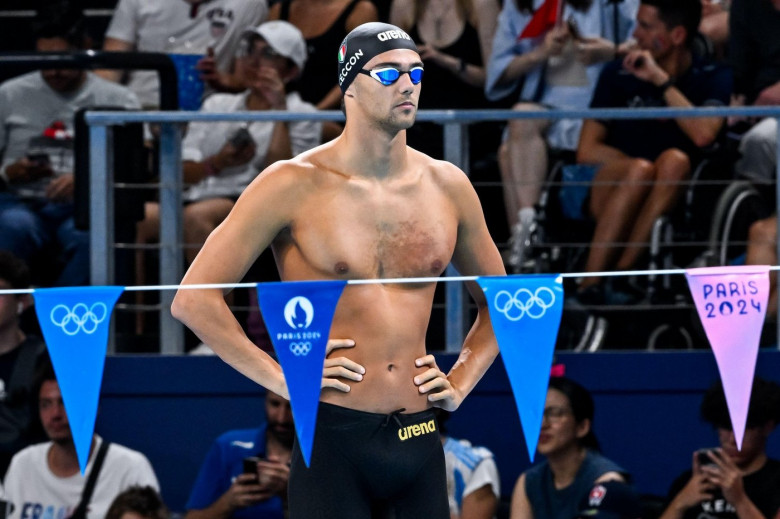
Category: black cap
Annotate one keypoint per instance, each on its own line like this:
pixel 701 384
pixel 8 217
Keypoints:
pixel 363 43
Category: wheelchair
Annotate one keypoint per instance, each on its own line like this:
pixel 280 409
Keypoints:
pixel 684 237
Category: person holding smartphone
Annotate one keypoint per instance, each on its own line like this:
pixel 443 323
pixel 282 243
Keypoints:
pixel 37 174
pixel 724 482
pixel 245 472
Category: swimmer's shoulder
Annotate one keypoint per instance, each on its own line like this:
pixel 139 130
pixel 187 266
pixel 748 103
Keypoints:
pixel 442 172
pixel 304 171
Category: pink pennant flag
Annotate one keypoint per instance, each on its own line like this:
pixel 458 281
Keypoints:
pixel 731 302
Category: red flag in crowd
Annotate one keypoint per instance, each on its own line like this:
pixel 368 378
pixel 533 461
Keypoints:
pixel 542 21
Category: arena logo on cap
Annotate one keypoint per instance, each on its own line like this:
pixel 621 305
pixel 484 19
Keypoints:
pixel 393 35
pixel 353 59
pixel 342 52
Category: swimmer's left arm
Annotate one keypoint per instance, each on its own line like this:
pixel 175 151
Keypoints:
pixel 475 255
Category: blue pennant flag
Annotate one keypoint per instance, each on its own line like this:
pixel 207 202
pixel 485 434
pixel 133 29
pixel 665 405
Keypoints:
pixel 525 312
pixel 298 316
pixel 75 324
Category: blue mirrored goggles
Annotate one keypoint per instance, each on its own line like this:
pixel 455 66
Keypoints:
pixel 389 75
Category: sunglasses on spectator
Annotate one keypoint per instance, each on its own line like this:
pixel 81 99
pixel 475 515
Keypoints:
pixel 389 75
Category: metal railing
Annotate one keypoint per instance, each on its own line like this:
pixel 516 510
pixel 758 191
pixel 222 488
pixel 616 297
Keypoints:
pixel 455 123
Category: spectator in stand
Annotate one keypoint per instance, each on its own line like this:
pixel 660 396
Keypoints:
pixel 473 486
pixel 225 489
pixel 221 159
pixel 212 28
pixel 554 488
pixel 19 355
pixel 36 144
pixel 754 54
pixel 725 482
pixel 324 24
pixel 46 476
pixel 557 67
pixel 454 38
pixel 138 503
pixel 641 164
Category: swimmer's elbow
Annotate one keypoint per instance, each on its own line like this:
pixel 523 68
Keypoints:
pixel 183 305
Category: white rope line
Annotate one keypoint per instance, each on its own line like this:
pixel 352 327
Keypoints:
pixel 202 286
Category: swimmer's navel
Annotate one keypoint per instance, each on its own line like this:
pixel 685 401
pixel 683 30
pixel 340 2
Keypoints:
pixel 390 367
pixel 341 267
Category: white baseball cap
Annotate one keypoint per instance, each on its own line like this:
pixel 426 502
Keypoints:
pixel 284 38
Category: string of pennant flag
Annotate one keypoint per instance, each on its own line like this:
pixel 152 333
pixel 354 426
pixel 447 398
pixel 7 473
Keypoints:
pixel 525 312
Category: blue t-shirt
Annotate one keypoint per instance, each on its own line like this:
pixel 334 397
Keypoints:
pixel 703 84
pixel 223 463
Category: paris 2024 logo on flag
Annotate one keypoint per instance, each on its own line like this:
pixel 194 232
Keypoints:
pixel 299 314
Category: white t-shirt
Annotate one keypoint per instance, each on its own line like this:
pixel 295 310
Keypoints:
pixel 176 26
pixel 468 469
pixel 206 139
pixel 37 493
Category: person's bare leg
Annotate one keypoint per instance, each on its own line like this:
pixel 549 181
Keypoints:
pixel 146 231
pixel 619 189
pixel 527 156
pixel 671 168
pixel 762 250
pixel 511 202
pixel 523 170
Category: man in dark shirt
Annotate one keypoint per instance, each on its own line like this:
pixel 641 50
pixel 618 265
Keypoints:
pixel 18 355
pixel 727 483
pixel 641 163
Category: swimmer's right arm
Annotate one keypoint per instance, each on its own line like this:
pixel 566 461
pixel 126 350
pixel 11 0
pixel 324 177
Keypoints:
pixel 258 216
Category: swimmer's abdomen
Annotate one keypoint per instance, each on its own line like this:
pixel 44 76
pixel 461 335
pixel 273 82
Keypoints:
pixel 388 324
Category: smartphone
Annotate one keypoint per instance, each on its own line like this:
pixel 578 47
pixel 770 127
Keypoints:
pixel 703 457
pixel 250 464
pixel 241 138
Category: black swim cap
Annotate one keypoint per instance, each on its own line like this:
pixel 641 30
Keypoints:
pixel 363 43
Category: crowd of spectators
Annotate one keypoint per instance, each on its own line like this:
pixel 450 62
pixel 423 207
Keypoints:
pixel 531 55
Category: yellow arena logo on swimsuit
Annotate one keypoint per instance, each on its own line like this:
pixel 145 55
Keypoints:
pixel 417 429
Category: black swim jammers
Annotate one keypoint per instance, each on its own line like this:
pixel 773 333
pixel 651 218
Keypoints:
pixel 369 465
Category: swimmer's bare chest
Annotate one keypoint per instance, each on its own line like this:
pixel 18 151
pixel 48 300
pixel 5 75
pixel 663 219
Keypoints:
pixel 376 236
pixel 365 233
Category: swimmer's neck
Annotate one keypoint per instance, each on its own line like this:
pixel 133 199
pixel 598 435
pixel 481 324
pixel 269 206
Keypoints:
pixel 372 152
